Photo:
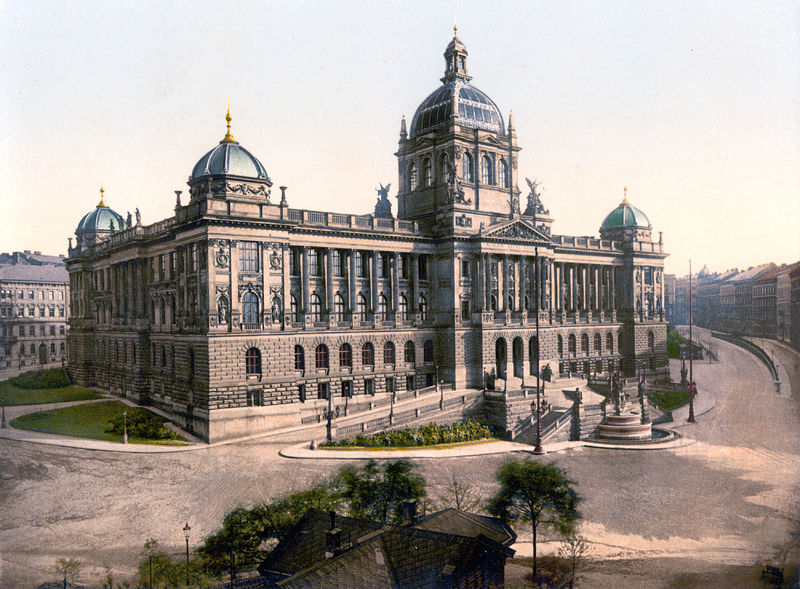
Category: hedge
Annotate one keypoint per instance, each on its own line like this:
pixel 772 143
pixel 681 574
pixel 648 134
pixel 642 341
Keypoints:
pixel 49 378
pixel 428 435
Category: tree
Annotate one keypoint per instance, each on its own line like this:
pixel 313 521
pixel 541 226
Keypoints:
pixel 69 569
pixel 377 493
pixel 537 493
pixel 461 496
pixel 573 550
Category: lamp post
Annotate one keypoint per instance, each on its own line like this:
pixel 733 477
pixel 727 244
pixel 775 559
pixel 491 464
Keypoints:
pixel 186 530
pixel 538 447
pixel 329 417
pixel 124 427
pixel 691 352
pixel 439 388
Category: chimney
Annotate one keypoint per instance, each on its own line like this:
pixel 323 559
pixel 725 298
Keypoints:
pixel 333 538
pixel 409 511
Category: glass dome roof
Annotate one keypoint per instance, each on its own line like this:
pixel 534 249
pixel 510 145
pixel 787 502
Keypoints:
pixel 229 158
pixel 100 220
pixel 475 109
pixel 626 215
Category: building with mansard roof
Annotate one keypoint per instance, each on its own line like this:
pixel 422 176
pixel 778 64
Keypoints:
pixel 241 313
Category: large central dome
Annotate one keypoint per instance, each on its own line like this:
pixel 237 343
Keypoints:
pixel 456 95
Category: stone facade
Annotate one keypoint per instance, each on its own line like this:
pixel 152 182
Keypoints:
pixel 239 311
pixel 33 310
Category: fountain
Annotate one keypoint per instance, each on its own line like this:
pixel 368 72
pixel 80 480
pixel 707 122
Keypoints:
pixel 625 424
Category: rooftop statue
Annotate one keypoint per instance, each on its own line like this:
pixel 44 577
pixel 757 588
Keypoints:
pixel 383 208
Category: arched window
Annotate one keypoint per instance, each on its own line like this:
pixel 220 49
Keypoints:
pixel 403 305
pixel 361 307
pixel 338 307
pixel 423 308
pixel 252 361
pixel 294 308
pixel 409 352
pixel 412 176
pixel 597 342
pixel 346 356
pixel 610 343
pixel 486 170
pixel 368 354
pixel 163 357
pixel 584 343
pixel 444 168
pixel 321 356
pixel 315 307
pixel 426 172
pixel 299 358
pixel 466 168
pixel 383 307
pixel 651 340
pixel 388 353
pixel 560 346
pixel 502 173
pixel 249 308
pixel 427 351
pixel 571 344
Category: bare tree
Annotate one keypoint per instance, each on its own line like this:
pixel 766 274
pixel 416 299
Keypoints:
pixel 69 569
pixel 463 497
pixel 573 550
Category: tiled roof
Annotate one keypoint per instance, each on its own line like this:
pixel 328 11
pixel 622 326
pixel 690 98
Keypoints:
pixel 453 521
pixel 28 273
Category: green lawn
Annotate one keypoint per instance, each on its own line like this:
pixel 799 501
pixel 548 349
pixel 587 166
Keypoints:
pixel 669 400
pixel 83 421
pixel 13 395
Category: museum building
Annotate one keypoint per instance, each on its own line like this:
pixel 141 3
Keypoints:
pixel 238 310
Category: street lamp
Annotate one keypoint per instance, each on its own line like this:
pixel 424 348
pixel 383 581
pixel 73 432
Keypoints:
pixel 439 388
pixel 186 530
pixel 691 353
pixel 538 447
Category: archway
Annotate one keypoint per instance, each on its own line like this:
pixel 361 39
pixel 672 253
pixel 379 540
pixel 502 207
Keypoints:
pixel 517 355
pixel 42 354
pixel 501 357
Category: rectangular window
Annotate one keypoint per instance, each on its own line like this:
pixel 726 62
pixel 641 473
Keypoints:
pixel 369 386
pixel 322 390
pixel 389 384
pixel 301 389
pixel 22 331
pixel 465 309
pixel 248 252
pixel 50 295
pixel 423 267
pixel 172 265
pixel 52 330
pixel 347 388
pixel 381 262
pixel 336 263
pixel 404 266
pixel 464 269
pixel 313 262
pixel 359 264
pixel 61 330
pixel 409 383
pixel 161 267
pixel 294 262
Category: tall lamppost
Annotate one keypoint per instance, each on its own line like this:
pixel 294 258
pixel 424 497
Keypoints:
pixel 186 530
pixel 329 416
pixel 691 352
pixel 538 448
pixel 439 387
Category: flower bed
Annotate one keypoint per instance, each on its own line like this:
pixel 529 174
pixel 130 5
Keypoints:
pixel 429 435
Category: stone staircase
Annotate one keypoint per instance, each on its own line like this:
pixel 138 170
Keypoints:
pixel 591 417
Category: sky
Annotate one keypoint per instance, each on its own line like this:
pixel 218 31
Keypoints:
pixel 693 105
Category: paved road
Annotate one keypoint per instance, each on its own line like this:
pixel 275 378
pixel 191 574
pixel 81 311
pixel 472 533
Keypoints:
pixel 731 497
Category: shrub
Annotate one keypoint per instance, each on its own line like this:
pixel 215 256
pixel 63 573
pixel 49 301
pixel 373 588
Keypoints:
pixel 142 424
pixel 428 435
pixel 49 378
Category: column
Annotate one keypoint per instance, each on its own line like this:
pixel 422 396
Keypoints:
pixel 487 275
pixel 585 287
pixel 395 284
pixel 613 298
pixel 351 280
pixel 551 285
pixel 328 280
pixel 572 287
pixel 413 280
pixel 373 282
pixel 286 283
pixel 524 271
pixel 504 304
pixel 304 279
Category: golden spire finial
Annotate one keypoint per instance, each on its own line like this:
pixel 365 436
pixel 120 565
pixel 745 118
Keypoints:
pixel 625 195
pixel 102 190
pixel 455 30
pixel 228 137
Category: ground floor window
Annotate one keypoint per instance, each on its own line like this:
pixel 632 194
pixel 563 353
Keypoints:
pixel 301 389
pixel 322 390
pixel 347 388
pixel 389 384
pixel 369 386
pixel 429 380
pixel 409 383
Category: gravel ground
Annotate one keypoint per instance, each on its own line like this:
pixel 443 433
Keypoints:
pixel 713 508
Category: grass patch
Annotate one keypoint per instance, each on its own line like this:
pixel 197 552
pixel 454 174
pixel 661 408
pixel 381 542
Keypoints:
pixel 428 435
pixel 394 448
pixel 11 394
pixel 88 420
pixel 669 400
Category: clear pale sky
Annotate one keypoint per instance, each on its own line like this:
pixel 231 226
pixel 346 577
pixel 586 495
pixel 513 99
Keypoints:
pixel 695 106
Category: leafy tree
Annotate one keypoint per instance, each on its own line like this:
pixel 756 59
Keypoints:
pixel 537 493
pixel 573 550
pixel 377 492
pixel 238 544
pixel 461 496
pixel 673 342
pixel 68 569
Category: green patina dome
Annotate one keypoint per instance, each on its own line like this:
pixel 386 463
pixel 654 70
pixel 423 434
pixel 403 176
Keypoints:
pixel 229 159
pixel 626 215
pixel 101 220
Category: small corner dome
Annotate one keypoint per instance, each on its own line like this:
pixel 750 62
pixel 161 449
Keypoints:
pixel 229 159
pixel 101 220
pixel 626 215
